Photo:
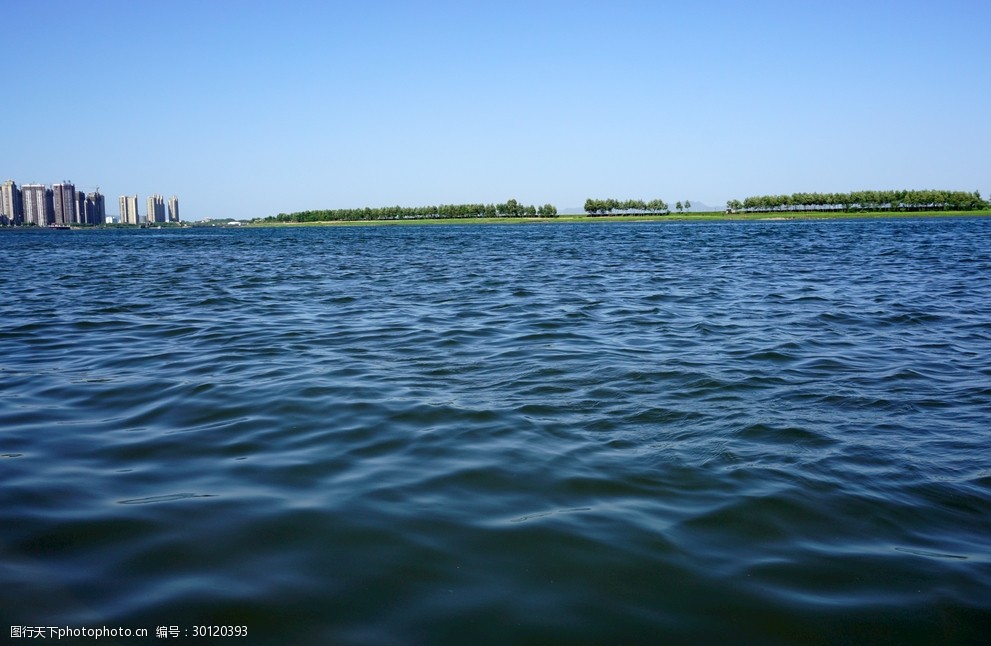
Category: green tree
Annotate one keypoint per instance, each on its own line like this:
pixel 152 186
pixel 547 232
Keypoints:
pixel 657 206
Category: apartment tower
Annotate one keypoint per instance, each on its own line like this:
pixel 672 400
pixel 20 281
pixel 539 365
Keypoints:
pixel 96 209
pixel 11 209
pixel 156 209
pixel 129 209
pixel 38 205
pixel 64 203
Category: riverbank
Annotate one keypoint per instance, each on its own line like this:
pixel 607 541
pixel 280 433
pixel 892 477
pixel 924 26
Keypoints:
pixel 715 216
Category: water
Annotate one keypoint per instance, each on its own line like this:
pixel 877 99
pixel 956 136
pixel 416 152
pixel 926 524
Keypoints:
pixel 766 432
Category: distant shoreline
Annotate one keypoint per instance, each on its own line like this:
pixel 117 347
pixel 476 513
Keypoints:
pixel 714 216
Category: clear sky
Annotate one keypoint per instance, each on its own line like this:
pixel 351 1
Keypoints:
pixel 251 108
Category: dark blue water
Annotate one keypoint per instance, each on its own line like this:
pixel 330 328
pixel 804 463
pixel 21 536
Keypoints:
pixel 764 432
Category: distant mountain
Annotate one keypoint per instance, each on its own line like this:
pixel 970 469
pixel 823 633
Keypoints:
pixel 700 207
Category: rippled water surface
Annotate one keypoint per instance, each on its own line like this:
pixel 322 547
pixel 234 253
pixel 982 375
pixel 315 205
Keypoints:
pixel 768 432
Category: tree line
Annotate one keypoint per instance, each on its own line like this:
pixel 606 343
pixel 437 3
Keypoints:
pixel 596 207
pixel 925 200
pixel 508 209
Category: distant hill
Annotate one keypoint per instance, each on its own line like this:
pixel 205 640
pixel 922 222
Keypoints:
pixel 703 207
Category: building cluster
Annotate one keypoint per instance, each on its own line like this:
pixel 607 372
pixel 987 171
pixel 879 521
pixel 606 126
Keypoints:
pixel 62 205
pixel 155 213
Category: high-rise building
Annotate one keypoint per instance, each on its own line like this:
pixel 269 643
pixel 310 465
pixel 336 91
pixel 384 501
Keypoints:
pixel 173 209
pixel 129 209
pixel 156 208
pixel 96 208
pixel 11 208
pixel 64 202
pixel 38 204
pixel 81 215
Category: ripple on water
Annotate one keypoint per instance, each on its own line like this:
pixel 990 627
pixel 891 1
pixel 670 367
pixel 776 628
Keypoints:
pixel 758 432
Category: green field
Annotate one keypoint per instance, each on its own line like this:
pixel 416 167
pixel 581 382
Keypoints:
pixel 716 216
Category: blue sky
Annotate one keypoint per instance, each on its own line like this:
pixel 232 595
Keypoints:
pixel 247 109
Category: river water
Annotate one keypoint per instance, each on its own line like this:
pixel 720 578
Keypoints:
pixel 763 432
